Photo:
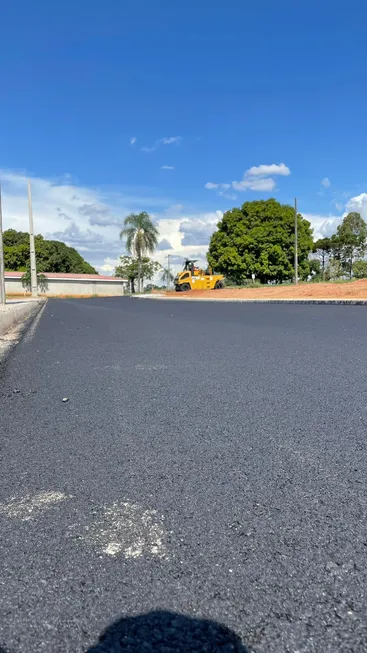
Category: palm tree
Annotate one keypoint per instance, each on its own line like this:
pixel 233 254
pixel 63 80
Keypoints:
pixel 167 277
pixel 141 237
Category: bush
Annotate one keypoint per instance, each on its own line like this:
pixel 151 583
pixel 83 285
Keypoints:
pixel 42 282
pixel 245 283
pixel 360 269
pixel 248 283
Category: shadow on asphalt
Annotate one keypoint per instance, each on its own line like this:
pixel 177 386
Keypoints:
pixel 167 632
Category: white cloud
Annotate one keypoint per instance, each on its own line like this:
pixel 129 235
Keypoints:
pixel 187 234
pixel 109 265
pixel 168 140
pixel 358 204
pixel 267 170
pixel 228 196
pixel 256 178
pixel 197 230
pixel 323 225
pixel 210 185
pixel 167 168
pixel 326 225
pixel 90 220
pixel 325 182
pixel 133 140
pixel 174 209
pixel 256 183
pixel 85 240
pixel 164 245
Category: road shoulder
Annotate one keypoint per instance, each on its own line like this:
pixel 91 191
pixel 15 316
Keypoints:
pixel 15 317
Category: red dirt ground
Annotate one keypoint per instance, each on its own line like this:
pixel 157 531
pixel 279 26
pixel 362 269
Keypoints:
pixel 347 290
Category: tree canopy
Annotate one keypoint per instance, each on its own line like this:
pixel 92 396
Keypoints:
pixel 141 238
pixel 349 244
pixel 258 238
pixel 167 276
pixel 322 249
pixel 129 268
pixel 360 269
pixel 51 255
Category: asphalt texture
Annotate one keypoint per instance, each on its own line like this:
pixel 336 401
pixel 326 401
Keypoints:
pixel 201 488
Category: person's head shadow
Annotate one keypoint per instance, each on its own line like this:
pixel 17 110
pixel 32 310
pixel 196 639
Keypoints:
pixel 167 632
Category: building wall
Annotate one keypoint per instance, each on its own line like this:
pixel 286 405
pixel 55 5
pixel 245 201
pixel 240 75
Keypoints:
pixel 57 287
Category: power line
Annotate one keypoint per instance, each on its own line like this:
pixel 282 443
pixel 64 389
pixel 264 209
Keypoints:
pixel 169 271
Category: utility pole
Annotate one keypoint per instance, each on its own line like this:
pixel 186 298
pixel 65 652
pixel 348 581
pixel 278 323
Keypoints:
pixel 169 271
pixel 31 245
pixel 2 278
pixel 295 242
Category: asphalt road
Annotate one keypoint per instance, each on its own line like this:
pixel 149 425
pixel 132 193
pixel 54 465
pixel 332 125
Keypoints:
pixel 210 461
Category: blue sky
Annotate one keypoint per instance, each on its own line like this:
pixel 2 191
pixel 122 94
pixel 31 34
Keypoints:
pixel 213 89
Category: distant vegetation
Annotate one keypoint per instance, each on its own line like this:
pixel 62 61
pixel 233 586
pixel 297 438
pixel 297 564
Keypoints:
pixel 52 255
pixel 129 267
pixel 42 283
pixel 141 238
pixel 258 239
pixel 343 254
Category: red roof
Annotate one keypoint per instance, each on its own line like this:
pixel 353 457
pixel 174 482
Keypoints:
pixel 68 275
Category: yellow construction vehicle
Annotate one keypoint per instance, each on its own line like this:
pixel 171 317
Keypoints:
pixel 194 278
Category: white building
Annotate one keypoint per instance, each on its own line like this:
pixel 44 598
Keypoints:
pixel 62 284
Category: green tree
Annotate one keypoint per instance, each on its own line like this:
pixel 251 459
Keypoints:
pixel 129 269
pixel 322 249
pixel 350 241
pixel 141 238
pixel 315 269
pixel 360 269
pixel 334 269
pixel 259 238
pixel 51 255
pixel 152 286
pixel 13 238
pixel 167 277
pixel 42 282
pixel 16 257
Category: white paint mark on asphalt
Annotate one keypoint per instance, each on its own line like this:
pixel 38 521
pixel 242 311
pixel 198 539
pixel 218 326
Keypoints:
pixel 28 507
pixel 127 529
pixel 113 548
pixel 144 367
pixel 147 367
pixel 32 329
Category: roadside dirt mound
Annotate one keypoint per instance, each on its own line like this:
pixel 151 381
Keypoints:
pixel 347 290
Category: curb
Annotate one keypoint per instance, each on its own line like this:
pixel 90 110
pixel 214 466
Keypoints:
pixel 13 314
pixel 352 302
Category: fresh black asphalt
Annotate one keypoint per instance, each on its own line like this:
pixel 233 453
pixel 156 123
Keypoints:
pixel 211 462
